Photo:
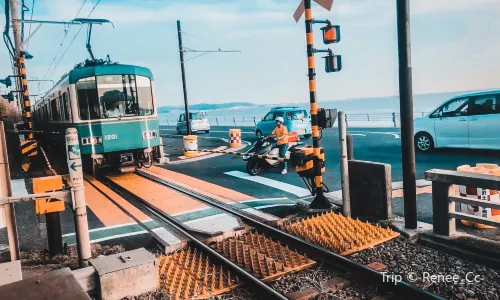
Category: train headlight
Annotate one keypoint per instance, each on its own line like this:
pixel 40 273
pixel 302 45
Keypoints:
pixel 148 135
pixel 93 140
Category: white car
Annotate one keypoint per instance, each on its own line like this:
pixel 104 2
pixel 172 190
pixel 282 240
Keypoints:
pixel 467 121
pixel 198 120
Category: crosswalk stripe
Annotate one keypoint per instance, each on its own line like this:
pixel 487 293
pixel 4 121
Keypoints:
pixel 289 188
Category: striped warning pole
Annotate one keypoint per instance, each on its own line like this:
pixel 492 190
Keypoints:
pixel 269 157
pixel 29 145
pixel 26 99
pixel 319 200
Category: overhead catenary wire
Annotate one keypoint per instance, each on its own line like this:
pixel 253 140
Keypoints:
pixel 31 18
pixel 66 31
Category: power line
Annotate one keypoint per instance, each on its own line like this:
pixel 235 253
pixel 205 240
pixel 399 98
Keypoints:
pixel 74 37
pixel 31 18
pixel 188 34
pixel 66 31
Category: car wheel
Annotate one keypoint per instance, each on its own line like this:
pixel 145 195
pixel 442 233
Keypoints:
pixel 424 142
pixel 178 131
pixel 258 134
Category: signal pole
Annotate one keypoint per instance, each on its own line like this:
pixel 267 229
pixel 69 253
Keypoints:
pixel 319 201
pixel 181 54
pixel 406 110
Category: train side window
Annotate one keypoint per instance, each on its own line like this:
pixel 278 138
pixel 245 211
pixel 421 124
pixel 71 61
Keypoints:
pixel 88 101
pixel 53 108
pixel 66 106
pixel 61 108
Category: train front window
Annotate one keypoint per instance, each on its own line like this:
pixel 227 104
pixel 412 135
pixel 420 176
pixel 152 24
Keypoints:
pixel 125 95
pixel 114 96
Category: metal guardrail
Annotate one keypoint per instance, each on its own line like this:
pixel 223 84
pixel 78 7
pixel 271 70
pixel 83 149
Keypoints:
pixel 443 199
pixel 390 118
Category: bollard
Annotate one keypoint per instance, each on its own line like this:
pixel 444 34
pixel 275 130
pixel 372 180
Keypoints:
pixel 79 206
pixel 234 121
pixel 350 147
pixel 394 118
pixel 254 122
pixel 217 121
pixel 234 138
pixel 344 171
pixel 190 145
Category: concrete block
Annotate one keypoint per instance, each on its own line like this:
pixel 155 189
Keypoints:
pixel 377 266
pixel 10 272
pixel 335 284
pixel 398 224
pixel 370 189
pixel 125 274
pixel 303 294
pixel 163 160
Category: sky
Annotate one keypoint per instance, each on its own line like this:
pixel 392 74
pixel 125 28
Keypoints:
pixel 455 47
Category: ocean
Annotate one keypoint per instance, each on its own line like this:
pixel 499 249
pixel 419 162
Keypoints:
pixel 371 112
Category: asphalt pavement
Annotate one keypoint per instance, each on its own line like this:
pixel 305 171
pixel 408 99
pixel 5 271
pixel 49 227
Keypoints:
pixel 370 144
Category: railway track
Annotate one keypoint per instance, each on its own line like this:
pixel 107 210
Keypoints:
pixel 399 290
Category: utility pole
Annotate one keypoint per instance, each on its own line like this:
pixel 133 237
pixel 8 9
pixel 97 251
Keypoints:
pixel 183 49
pixel 406 110
pixel 181 53
pixel 16 31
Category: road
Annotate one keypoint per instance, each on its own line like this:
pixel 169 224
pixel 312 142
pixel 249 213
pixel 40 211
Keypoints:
pixel 370 144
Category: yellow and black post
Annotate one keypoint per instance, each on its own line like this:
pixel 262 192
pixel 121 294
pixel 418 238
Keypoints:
pixel 28 145
pixel 319 201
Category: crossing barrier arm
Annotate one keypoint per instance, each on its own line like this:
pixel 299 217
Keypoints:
pixel 238 154
pixel 65 196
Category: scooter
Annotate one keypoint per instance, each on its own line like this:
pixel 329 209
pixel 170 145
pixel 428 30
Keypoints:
pixel 267 146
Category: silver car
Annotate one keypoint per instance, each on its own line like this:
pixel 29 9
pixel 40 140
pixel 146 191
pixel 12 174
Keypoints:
pixel 198 120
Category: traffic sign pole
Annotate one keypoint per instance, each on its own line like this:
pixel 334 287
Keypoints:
pixel 319 201
pixel 79 206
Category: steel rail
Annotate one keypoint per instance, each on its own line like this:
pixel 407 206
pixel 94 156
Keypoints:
pixel 163 182
pixel 402 289
pixel 260 287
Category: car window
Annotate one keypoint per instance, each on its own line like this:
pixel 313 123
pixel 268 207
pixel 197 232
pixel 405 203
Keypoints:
pixel 278 114
pixel 454 108
pixel 269 117
pixel 484 105
pixel 181 119
pixel 296 115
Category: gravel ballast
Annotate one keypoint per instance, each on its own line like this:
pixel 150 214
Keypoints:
pixel 454 278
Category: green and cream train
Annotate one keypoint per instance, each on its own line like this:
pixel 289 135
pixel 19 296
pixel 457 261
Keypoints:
pixel 113 108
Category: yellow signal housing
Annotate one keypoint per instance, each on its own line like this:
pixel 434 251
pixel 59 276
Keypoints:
pixel 307 169
pixel 48 184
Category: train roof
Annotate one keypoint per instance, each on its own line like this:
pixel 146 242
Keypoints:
pixel 107 69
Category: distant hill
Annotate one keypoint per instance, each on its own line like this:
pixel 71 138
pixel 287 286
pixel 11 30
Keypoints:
pixel 205 106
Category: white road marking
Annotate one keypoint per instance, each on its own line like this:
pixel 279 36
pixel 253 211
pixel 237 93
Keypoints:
pixel 289 188
pixel 360 134
pixel 394 134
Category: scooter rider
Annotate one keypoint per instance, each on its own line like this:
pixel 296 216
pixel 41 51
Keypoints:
pixel 281 132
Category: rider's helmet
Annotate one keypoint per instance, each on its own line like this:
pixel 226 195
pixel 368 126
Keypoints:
pixel 280 119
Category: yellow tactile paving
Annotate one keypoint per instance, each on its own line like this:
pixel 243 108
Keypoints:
pixel 188 274
pixel 209 189
pixel 339 234
pixel 167 200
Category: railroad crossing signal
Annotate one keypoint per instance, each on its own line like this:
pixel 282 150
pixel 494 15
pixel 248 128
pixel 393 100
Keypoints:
pixel 326 4
pixel 331 34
